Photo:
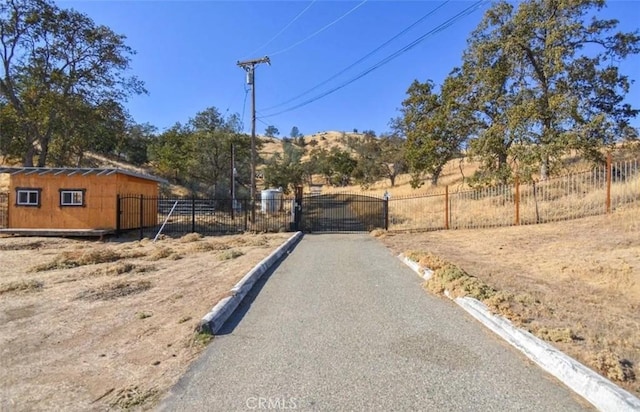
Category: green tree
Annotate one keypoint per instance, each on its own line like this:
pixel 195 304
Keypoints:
pixel 559 88
pixel 55 63
pixel 433 125
pixel 171 152
pixel 318 163
pixel 295 132
pixel 213 136
pixel 199 153
pixel 368 158
pixel 134 147
pixel 286 170
pixel 392 156
pixel 83 127
pixel 271 131
pixel 341 165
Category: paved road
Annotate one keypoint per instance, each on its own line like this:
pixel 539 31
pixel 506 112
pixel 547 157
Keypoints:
pixel 342 324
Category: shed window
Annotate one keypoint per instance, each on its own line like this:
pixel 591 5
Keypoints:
pixel 28 197
pixel 71 197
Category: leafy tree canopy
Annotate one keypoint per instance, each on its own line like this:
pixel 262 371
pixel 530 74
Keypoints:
pixel 542 80
pixel 271 131
pixel 62 81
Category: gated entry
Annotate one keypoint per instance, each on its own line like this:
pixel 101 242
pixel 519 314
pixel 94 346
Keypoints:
pixel 341 213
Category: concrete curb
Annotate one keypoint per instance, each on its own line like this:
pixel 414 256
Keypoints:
pixel 599 391
pixel 213 321
pixel 423 273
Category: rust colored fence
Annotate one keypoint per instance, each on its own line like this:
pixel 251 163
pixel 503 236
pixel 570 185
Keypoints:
pixel 598 191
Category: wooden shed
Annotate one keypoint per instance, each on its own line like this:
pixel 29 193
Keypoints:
pixel 84 200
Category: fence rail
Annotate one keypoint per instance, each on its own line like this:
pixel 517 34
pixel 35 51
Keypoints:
pixel 601 190
pixel 205 216
pixel 592 192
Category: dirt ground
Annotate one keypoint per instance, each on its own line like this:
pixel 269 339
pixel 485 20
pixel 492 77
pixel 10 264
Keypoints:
pixel 575 283
pixel 90 325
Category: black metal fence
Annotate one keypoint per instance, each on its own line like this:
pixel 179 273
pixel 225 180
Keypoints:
pixel 172 216
pixel 148 216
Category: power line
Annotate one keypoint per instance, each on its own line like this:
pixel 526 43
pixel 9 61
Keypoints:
pixel 420 20
pixel 263 122
pixel 283 29
pixel 235 97
pixel 319 31
pixel 389 58
pixel 244 104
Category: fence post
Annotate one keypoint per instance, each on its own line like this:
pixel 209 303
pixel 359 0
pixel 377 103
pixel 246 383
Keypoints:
pixel 141 217
pixel 608 201
pixel 246 214
pixel 517 200
pixel 446 207
pixel 193 213
pixel 297 208
pixel 118 213
pixel 386 213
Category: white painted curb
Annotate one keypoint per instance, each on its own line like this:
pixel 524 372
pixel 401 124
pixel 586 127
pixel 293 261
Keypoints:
pixel 213 321
pixel 599 391
pixel 423 273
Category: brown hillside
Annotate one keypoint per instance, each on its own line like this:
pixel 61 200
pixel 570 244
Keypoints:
pixel 324 140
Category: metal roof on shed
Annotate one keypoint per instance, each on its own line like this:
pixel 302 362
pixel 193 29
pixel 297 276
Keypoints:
pixel 83 171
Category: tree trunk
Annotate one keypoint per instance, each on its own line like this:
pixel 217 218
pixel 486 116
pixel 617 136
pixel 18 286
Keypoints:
pixel 27 159
pixel 436 175
pixel 44 142
pixel 544 168
pixel 44 151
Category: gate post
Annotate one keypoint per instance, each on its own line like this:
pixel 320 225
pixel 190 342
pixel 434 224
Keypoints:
pixel 141 217
pixel 386 213
pixel 193 213
pixel 297 208
pixel 246 214
pixel 118 213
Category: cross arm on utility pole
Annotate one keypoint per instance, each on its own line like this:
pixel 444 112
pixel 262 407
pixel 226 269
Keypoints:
pixel 252 62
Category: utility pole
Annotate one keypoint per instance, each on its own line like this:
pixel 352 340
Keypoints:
pixel 250 67
pixel 232 182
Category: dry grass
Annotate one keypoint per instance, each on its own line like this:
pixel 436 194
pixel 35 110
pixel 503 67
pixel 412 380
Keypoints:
pixel 230 254
pixel 575 284
pixel 113 335
pixel 30 285
pixel 115 290
pixel 75 258
pixel 22 245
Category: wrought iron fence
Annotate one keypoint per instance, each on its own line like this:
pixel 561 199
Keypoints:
pixel 177 215
pixel 588 193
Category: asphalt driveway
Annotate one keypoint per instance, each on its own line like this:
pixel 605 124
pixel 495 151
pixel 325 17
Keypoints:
pixel 342 324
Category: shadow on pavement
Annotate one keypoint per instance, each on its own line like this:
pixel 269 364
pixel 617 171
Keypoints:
pixel 242 309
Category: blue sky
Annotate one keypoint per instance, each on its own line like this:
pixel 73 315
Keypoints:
pixel 187 53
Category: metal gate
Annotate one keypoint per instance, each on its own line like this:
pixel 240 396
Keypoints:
pixel 341 213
